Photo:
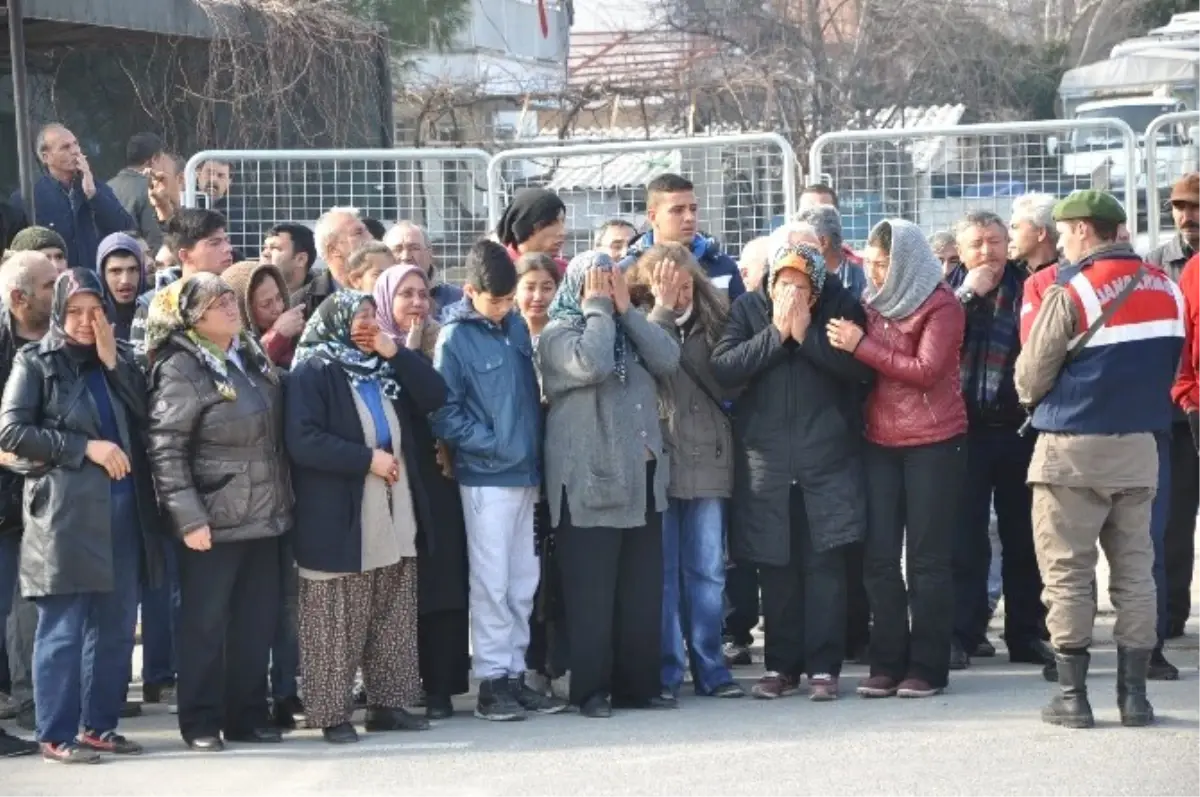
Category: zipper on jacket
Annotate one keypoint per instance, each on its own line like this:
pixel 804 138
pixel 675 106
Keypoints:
pixel 929 407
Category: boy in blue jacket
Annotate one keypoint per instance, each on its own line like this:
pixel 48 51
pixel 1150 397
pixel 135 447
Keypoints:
pixel 492 422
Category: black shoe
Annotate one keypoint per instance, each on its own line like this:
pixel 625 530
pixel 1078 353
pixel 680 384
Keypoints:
pixel 1070 708
pixel 596 707
pixel 285 711
pixel 985 650
pixel 438 707
pixel 1160 668
pixel 958 657
pixel 393 719
pixel 737 655
pixel 131 709
pixel 206 744
pixel 360 696
pixel 533 700
pixel 1132 668
pixel 664 701
pixel 257 736
pixel 728 690
pixel 497 702
pixel 340 734
pixel 14 746
pixel 156 693
pixel 1032 652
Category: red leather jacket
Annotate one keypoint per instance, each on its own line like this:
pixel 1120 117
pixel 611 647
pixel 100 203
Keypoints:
pixel 917 397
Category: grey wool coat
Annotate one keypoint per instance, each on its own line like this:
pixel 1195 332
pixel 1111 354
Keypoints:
pixel 599 429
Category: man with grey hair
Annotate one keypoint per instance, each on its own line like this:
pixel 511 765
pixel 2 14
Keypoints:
pixel 339 232
pixel 27 288
pixel 753 261
pixel 826 220
pixel 945 247
pixel 991 289
pixel 1033 237
pixel 410 246
pixel 70 201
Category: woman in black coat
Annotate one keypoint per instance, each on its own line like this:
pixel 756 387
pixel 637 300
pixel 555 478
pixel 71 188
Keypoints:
pixel 353 401
pixel 798 479
pixel 73 411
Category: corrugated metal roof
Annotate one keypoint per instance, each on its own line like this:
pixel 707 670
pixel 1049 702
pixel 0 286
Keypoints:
pixel 601 172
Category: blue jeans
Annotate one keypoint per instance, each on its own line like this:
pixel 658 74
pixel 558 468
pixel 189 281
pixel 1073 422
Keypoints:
pixel 160 618
pixel 84 642
pixel 285 653
pixel 1160 513
pixel 693 586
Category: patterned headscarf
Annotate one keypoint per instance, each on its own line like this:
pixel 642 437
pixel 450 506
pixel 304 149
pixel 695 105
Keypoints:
pixel 802 257
pixel 175 309
pixel 566 308
pixel 385 293
pixel 327 336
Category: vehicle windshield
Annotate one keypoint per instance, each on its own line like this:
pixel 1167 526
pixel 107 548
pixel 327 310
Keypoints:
pixel 1138 117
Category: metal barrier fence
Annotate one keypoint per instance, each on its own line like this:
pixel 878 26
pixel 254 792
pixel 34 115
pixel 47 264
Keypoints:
pixel 1172 151
pixel 933 176
pixel 743 182
pixel 443 190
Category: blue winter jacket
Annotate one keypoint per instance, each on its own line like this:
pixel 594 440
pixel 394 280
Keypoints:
pixel 720 267
pixel 82 222
pixel 492 418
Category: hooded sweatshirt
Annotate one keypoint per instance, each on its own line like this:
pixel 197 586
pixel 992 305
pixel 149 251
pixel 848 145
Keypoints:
pixel 122 314
pixel 721 269
pixel 246 276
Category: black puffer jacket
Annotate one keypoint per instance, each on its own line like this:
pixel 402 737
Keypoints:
pixel 218 462
pixel 797 422
pixel 47 418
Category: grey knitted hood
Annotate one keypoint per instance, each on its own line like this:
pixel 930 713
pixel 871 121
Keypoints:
pixel 914 274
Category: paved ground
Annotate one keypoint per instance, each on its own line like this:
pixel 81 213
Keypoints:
pixel 981 737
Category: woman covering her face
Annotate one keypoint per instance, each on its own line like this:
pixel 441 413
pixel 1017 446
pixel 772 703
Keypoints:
pixel 404 303
pixel 73 414
pixel 354 401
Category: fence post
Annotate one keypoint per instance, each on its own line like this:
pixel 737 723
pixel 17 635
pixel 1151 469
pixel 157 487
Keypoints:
pixel 1153 201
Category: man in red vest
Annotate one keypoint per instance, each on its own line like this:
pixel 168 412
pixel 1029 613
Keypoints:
pixel 1094 471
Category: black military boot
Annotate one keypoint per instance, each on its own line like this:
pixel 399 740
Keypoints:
pixel 1132 666
pixel 1070 707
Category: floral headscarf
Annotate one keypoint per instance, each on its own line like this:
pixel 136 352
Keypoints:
pixel 175 309
pixel 802 257
pixel 327 336
pixel 385 293
pixel 566 307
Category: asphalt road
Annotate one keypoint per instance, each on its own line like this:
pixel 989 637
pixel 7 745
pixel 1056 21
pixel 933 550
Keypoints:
pixel 983 736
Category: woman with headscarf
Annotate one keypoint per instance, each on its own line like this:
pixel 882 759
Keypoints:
pixel 216 447
pixel 353 401
pixel 73 412
pixel 403 303
pixel 798 479
pixel 916 423
pixel 607 471
pixel 534 221
pixel 266 308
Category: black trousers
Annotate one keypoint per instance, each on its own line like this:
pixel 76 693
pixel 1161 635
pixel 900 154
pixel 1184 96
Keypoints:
pixel 858 609
pixel 741 590
pixel 997 466
pixel 1180 540
pixel 912 490
pixel 229 606
pixel 804 604
pixel 547 653
pixel 443 649
pixel 612 585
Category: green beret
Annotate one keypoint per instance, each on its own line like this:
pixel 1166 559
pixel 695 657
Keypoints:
pixel 1090 204
pixel 33 239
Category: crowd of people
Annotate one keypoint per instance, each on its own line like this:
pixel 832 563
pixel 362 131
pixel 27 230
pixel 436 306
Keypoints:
pixel 331 480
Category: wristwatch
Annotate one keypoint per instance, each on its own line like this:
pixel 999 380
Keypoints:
pixel 965 294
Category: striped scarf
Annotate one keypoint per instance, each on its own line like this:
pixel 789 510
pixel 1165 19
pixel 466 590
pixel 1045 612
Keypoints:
pixel 992 340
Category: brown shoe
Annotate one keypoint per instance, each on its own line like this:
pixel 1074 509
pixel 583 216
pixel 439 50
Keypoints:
pixel 773 685
pixel 917 687
pixel 822 688
pixel 877 686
